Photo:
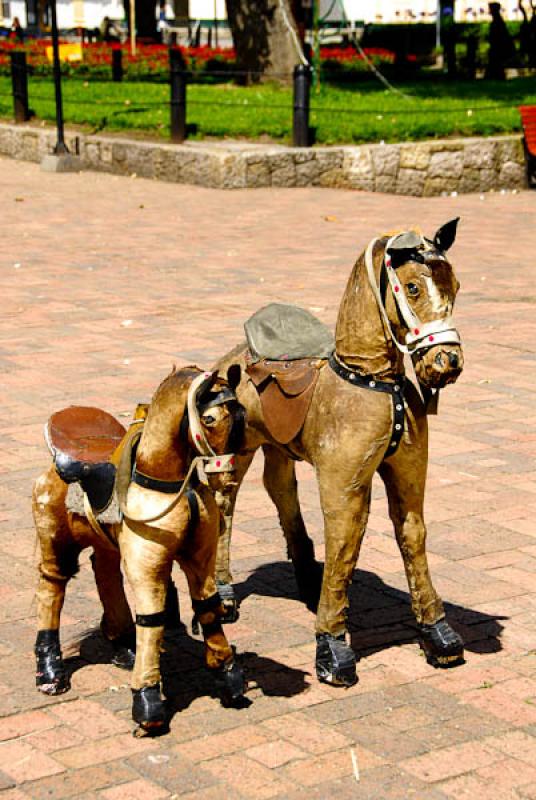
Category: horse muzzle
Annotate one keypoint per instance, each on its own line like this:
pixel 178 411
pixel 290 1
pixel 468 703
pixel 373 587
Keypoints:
pixel 438 366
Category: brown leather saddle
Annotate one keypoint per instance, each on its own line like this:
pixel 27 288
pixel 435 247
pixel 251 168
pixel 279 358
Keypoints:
pixel 285 390
pixel 86 444
pixel 287 348
pixel 84 433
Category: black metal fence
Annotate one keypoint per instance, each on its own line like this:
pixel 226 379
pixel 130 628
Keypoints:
pixel 179 77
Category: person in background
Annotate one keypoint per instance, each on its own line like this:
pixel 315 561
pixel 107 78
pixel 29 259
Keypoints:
pixel 17 31
pixel 162 24
pixel 501 45
pixel 108 31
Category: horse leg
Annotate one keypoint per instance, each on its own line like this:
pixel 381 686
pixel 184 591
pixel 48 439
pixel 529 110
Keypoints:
pixel 345 520
pixel 148 567
pixel 279 479
pixel 404 475
pixel 58 563
pixel 116 624
pixel 226 503
pixel 197 559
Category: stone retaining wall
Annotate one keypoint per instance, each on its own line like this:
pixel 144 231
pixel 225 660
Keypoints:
pixel 423 169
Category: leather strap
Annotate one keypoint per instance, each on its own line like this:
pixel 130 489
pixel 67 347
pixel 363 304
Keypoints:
pixel 155 620
pixel 365 381
pixel 197 387
pixel 158 485
pixel 395 389
pixel 225 395
pixel 209 604
pixel 96 526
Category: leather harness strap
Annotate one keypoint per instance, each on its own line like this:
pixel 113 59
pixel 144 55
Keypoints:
pixel 155 620
pixel 395 389
pixel 101 531
pixel 167 487
pixel 172 487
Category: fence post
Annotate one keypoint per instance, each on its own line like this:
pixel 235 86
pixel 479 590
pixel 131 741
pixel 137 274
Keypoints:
pixel 19 80
pixel 117 65
pixel 177 79
pixel 302 89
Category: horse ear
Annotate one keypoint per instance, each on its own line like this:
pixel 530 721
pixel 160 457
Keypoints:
pixel 446 235
pixel 234 373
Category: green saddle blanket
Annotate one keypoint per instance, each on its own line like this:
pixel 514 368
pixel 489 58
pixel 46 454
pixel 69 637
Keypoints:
pixel 281 332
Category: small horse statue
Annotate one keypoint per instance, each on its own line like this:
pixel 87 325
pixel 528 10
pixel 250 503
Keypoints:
pixel 346 407
pixel 157 531
pixel 161 476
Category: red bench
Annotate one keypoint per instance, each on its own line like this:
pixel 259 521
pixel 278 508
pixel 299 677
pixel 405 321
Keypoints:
pixel 528 120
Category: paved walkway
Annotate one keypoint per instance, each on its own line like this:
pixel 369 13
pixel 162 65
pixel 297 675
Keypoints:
pixel 105 282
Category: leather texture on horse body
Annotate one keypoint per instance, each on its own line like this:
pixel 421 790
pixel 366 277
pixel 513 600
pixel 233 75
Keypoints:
pixel 285 389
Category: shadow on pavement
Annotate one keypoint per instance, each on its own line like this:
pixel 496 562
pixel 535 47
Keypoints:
pixel 184 676
pixel 380 615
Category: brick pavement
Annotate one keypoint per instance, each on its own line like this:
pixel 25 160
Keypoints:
pixel 106 282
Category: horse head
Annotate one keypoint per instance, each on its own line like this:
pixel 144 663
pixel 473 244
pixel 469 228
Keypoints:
pixel 216 421
pixel 419 306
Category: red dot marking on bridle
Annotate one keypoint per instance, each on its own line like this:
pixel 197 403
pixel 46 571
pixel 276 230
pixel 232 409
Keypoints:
pixel 430 338
pixel 416 331
pixel 218 463
pixel 198 437
pixel 231 462
pixel 397 288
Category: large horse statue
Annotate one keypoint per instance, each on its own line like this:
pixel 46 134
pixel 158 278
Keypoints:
pixel 347 409
pixel 145 496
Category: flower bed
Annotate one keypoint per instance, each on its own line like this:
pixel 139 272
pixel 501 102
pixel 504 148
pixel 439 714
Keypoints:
pixel 151 60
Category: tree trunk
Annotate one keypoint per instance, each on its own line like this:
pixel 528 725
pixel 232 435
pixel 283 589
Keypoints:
pixel 145 18
pixel 265 38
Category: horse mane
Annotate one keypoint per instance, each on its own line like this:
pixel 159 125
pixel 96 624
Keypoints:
pixel 178 380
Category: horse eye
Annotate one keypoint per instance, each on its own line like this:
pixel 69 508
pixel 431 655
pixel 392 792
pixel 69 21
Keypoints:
pixel 413 290
pixel 208 420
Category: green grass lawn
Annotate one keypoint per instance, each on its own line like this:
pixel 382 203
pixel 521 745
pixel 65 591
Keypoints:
pixel 363 112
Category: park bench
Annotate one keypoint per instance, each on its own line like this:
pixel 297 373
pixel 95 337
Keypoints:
pixel 528 120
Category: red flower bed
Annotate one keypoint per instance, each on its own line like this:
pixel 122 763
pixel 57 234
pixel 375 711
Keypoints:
pixel 150 59
pixel 349 55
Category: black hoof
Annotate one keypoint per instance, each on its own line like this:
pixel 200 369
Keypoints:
pixel 309 580
pixel 50 675
pixel 335 660
pixel 124 651
pixel 232 684
pixel 148 708
pixel 442 646
pixel 229 601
